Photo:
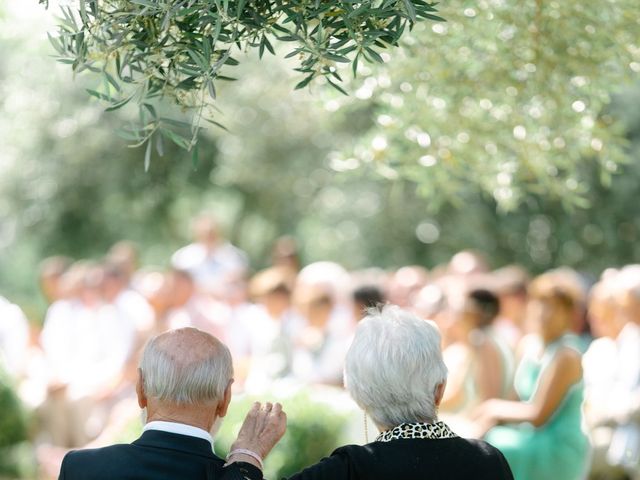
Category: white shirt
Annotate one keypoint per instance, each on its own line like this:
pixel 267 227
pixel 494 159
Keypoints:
pixel 181 429
pixel 14 337
pixel 211 268
pixel 86 347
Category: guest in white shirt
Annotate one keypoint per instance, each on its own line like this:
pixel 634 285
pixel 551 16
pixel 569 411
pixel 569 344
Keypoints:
pixel 625 409
pixel 210 259
pixel 14 338
pixel 612 375
pixel 193 308
pixel 600 366
pixel 130 304
pixel 86 344
pixel 272 327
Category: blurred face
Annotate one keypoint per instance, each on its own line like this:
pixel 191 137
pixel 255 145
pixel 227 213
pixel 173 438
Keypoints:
pixel 50 285
pixel 548 318
pixel 206 232
pixel 513 307
pixel 603 317
pixel 630 307
pixel 182 290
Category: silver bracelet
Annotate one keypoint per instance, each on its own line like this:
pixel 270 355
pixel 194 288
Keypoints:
pixel 244 451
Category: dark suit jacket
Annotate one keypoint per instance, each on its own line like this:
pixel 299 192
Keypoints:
pixel 155 455
pixel 409 459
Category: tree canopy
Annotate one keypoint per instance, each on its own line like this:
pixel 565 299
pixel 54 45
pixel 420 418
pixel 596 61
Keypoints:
pixel 150 49
pixel 69 187
pixel 514 100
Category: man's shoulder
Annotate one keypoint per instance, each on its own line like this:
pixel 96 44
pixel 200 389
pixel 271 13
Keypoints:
pixel 94 454
pixel 78 463
pixel 124 460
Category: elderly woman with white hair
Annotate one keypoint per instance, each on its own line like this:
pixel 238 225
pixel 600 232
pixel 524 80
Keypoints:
pixel 395 373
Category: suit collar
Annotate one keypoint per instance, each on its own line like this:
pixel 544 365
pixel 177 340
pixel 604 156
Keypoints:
pixel 181 428
pixel 177 442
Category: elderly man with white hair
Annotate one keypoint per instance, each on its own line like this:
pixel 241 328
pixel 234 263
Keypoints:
pixel 184 389
pixel 395 373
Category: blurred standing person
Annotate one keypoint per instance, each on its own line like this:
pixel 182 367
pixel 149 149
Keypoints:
pixel 541 434
pixel 210 259
pixel 510 284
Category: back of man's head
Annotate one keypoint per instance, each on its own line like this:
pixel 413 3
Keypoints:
pixel 186 367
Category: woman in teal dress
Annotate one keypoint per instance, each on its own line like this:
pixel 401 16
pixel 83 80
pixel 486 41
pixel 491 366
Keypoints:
pixel 540 434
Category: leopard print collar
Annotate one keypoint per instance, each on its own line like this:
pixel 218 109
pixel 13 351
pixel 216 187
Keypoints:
pixel 437 430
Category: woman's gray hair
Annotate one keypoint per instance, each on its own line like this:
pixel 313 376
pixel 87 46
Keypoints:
pixel 173 372
pixel 394 367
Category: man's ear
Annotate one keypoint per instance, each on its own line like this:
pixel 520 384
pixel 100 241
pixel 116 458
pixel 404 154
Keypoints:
pixel 440 393
pixel 142 398
pixel 223 406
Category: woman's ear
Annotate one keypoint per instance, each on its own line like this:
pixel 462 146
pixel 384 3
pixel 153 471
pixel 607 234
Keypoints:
pixel 440 393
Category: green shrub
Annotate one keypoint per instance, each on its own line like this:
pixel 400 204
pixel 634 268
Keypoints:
pixel 16 455
pixel 316 425
pixel 318 421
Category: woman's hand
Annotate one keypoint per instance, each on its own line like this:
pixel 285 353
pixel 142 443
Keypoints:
pixel 262 429
pixel 485 417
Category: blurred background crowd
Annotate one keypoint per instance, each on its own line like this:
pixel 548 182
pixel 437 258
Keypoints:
pixel 70 188
pixel 290 325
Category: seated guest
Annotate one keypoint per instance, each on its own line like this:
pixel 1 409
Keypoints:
pixel 364 298
pixel 395 373
pixel 184 389
pixel 623 403
pixel 542 435
pixel 601 368
pixel 480 361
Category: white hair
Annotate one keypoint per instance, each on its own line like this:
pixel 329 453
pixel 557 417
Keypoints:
pixel 189 379
pixel 394 367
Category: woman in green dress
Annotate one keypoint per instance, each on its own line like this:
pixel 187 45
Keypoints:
pixel 540 434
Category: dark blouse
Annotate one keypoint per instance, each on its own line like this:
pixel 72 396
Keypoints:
pixel 413 451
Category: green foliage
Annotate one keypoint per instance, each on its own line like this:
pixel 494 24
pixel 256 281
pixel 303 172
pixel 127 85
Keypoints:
pixel 13 421
pixel 314 429
pixel 15 453
pixel 145 50
pixel 512 99
pixel 68 186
